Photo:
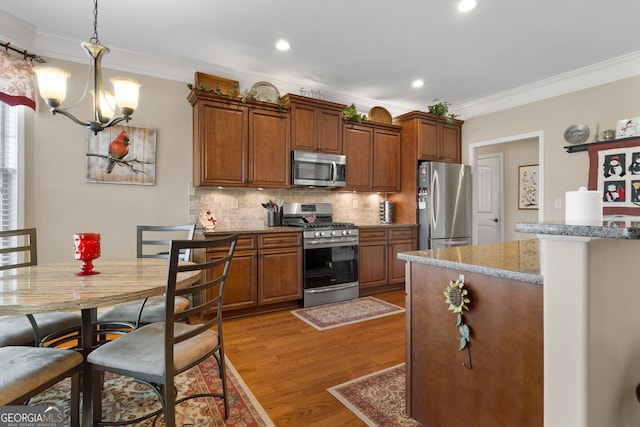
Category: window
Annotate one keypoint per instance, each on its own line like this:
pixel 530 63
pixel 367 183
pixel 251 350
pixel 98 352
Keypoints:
pixel 11 167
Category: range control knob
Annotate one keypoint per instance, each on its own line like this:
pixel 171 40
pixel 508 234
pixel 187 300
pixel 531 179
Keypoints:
pixel 346 232
pixel 333 233
pixel 317 234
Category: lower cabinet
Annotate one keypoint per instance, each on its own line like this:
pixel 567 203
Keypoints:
pixel 266 270
pixel 379 268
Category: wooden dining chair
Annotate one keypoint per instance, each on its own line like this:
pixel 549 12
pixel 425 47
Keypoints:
pixel 154 354
pixel 152 241
pixel 27 371
pixel 18 249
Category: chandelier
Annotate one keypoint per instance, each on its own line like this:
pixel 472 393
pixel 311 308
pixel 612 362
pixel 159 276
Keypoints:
pixel 52 84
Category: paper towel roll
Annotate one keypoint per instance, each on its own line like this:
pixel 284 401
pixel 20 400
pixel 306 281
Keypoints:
pixel 583 207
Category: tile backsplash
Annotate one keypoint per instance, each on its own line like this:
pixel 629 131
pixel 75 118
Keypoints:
pixel 242 207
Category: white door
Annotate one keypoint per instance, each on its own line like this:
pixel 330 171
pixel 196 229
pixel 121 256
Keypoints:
pixel 490 193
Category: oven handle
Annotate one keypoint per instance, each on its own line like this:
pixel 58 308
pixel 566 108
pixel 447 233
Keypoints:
pixel 331 289
pixel 329 243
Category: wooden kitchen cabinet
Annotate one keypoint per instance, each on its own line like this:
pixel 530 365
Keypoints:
pixel 266 270
pixel 430 137
pixel 238 144
pixel 373 156
pixel 316 125
pixel 425 137
pixel 379 268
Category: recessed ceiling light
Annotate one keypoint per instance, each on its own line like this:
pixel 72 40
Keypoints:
pixel 283 45
pixel 467 5
pixel 418 83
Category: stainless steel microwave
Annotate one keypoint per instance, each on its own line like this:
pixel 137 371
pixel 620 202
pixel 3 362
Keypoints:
pixel 318 169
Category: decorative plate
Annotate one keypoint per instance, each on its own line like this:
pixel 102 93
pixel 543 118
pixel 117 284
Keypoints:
pixel 266 91
pixel 380 115
pixel 207 219
pixel 576 134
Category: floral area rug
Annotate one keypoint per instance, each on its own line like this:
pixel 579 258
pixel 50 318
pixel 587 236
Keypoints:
pixel 378 399
pixel 123 398
pixel 329 316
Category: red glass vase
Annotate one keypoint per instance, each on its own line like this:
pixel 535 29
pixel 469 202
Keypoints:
pixel 86 249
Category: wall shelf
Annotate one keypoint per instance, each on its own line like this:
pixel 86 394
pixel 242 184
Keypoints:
pixel 576 148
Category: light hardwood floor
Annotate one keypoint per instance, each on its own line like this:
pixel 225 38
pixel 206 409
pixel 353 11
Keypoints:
pixel 288 365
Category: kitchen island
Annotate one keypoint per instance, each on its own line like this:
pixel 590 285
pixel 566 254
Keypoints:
pixel 591 327
pixel 497 379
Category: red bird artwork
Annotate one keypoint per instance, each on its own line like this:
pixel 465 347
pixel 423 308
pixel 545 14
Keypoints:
pixel 118 148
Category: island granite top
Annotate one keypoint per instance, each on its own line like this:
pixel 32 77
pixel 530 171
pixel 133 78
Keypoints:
pixel 515 260
pixel 613 227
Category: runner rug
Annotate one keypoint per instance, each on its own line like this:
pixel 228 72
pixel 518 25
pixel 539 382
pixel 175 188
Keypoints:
pixel 126 399
pixel 329 316
pixel 378 399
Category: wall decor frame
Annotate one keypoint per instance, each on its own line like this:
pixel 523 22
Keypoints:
pixel 614 171
pixel 528 186
pixel 122 155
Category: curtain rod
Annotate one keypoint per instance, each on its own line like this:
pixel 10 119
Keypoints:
pixel 24 52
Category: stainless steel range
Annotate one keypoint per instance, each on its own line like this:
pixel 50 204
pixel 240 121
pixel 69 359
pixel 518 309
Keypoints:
pixel 330 253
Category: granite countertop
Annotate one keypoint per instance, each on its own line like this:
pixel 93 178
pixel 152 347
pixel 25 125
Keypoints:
pixel 515 260
pixel 622 227
pixel 392 225
pixel 252 230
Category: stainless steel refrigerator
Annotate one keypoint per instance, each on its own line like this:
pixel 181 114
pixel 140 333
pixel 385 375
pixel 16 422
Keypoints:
pixel 444 205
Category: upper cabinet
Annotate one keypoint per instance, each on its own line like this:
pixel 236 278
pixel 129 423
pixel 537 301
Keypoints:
pixel 316 125
pixel 238 144
pixel 425 137
pixel 430 137
pixel 373 156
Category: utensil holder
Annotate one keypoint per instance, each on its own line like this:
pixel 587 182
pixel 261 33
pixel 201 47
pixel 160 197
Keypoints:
pixel 274 218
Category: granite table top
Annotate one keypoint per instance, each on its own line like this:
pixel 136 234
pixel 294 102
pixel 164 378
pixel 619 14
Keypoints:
pixel 515 260
pixel 615 227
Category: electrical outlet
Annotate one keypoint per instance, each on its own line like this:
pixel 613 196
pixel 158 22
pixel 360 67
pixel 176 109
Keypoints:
pixel 355 203
pixel 233 203
pixel 461 278
pixel 558 203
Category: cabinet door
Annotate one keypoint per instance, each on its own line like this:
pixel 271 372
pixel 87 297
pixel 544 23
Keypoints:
pixel 386 160
pixel 303 122
pixel 449 149
pixel 269 149
pixel 428 141
pixel 396 266
pixel 280 275
pixel 220 153
pixel 241 287
pixel 358 142
pixel 329 131
pixel 372 265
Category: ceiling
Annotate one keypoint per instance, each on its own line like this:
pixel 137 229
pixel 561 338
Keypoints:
pixel 367 52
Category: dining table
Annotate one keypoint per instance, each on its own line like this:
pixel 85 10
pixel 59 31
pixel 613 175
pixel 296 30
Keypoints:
pixel 58 287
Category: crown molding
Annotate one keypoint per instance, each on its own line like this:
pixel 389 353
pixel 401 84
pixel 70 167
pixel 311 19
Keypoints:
pixel 182 70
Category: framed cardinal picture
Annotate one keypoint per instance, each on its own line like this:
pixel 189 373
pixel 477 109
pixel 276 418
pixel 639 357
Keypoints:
pixel 122 155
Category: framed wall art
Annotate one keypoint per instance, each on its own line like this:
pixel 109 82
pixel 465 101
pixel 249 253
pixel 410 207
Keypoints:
pixel 614 171
pixel 122 155
pixel 528 187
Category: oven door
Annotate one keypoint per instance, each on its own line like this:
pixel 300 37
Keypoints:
pixel 330 263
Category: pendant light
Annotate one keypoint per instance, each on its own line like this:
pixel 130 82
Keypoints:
pixel 52 84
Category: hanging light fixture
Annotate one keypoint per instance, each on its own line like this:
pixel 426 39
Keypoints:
pixel 52 83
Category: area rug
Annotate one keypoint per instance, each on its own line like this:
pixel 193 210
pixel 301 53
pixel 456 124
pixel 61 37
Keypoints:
pixel 126 399
pixel 378 399
pixel 329 316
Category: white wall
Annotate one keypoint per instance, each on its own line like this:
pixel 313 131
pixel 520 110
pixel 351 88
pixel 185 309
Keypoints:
pixel 60 202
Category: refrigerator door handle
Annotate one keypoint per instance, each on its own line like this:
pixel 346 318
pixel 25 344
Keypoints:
pixel 435 196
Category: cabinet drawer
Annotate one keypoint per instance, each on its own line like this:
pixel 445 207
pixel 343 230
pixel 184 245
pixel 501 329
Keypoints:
pixel 276 240
pixel 245 241
pixel 373 234
pixel 403 233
